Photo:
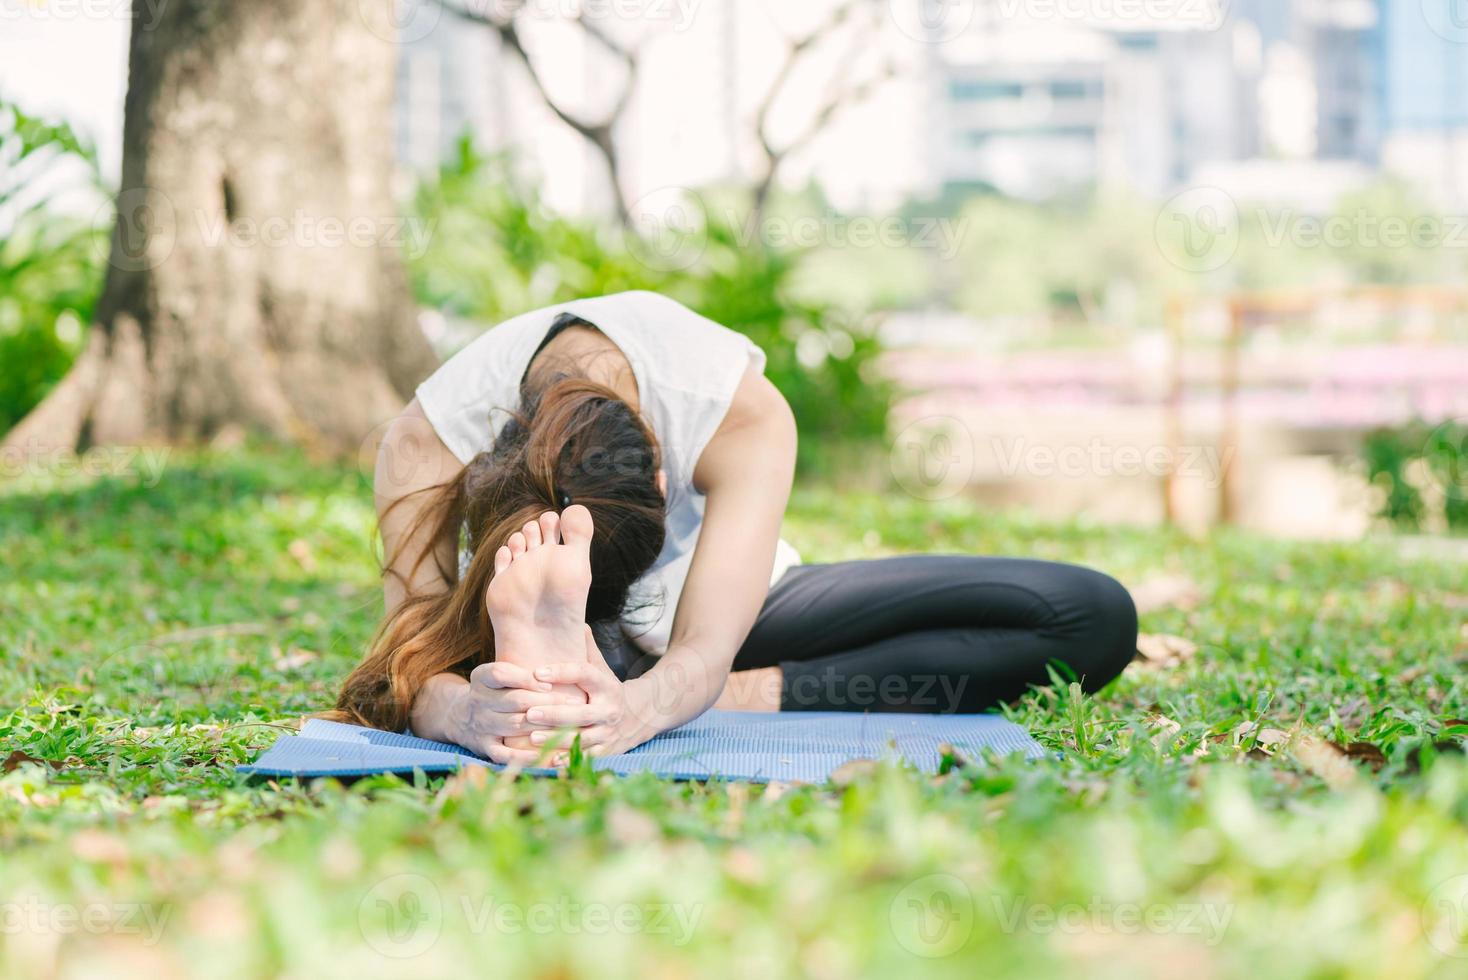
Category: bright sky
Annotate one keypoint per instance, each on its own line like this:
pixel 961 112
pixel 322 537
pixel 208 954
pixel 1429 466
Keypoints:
pixel 69 60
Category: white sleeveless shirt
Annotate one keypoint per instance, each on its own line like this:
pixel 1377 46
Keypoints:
pixel 687 368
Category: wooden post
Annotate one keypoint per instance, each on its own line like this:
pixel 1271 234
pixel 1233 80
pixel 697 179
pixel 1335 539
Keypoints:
pixel 1228 435
pixel 1174 315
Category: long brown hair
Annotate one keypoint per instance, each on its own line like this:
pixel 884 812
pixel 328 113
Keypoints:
pixel 572 441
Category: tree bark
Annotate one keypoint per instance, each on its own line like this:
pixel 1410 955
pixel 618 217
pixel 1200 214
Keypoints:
pixel 256 274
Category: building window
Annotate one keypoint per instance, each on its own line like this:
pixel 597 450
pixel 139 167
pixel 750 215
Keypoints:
pixel 1138 42
pixel 1075 88
pixel 971 90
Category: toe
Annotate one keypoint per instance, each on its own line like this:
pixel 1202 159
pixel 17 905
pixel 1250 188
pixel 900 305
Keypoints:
pixel 532 535
pixel 502 559
pixel 517 544
pixel 550 527
pixel 576 526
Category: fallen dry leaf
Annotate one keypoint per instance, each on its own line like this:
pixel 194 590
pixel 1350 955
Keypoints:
pixel 1271 737
pixel 469 777
pixel 849 772
pixel 1167 592
pixel 954 758
pixel 16 759
pixel 1353 712
pixel 1414 755
pixel 1363 752
pixel 1326 760
pixel 627 825
pixel 207 632
pixel 300 550
pixel 100 847
pixel 745 866
pixel 294 660
pixel 1266 740
pixel 773 791
pixel 1161 650
pixel 1166 727
pixel 1411 674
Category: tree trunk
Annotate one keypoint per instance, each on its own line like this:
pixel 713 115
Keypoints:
pixel 256 275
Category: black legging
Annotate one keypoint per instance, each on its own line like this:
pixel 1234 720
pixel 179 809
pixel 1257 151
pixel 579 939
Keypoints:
pixel 930 633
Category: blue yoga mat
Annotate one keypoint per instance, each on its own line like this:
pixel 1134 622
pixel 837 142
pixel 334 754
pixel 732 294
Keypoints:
pixel 797 747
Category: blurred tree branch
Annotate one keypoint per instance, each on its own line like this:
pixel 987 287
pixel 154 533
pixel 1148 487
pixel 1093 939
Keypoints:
pixel 864 15
pixel 600 133
pixel 842 94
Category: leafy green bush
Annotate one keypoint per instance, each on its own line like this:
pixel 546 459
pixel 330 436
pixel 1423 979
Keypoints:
pixel 1422 472
pixel 495 252
pixel 49 265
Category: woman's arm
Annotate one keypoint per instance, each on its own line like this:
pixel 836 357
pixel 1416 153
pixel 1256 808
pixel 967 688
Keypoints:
pixel 411 462
pixel 746 473
pixel 478 713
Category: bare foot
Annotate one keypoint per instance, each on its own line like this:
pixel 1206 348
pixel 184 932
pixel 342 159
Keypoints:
pixel 752 690
pixel 537 598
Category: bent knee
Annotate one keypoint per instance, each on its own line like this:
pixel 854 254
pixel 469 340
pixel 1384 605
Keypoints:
pixel 1103 620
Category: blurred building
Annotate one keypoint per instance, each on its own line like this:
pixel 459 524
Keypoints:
pixel 1423 91
pixel 1034 105
pixel 1290 100
pixel 703 71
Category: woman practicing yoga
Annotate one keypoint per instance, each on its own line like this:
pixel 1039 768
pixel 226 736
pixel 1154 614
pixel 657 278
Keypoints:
pixel 581 521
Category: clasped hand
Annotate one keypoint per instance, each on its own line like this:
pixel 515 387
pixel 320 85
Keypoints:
pixel 505 700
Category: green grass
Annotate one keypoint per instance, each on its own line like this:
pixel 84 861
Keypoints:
pixel 153 637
